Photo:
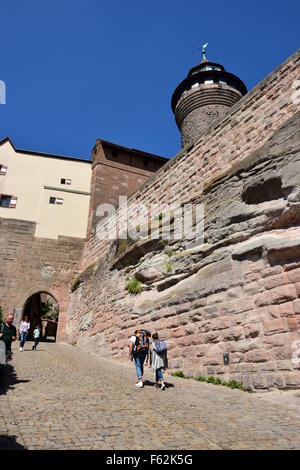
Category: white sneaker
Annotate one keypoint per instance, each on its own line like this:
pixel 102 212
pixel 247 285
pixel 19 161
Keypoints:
pixel 140 384
pixel 163 386
pixel 21 349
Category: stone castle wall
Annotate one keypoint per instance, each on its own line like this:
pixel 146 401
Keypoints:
pixel 22 257
pixel 238 292
pixel 246 128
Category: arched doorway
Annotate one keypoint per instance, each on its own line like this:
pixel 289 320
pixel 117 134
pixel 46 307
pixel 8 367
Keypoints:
pixel 42 309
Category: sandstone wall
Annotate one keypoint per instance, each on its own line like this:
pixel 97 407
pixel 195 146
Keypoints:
pixel 21 258
pixel 239 291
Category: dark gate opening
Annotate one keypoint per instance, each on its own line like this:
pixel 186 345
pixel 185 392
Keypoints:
pixel 43 311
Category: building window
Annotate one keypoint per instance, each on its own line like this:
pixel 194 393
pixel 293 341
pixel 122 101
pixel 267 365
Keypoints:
pixel 222 82
pixel 3 170
pixel 195 85
pixel 56 200
pixel 8 202
pixel 65 181
pixel 114 153
pixel 209 82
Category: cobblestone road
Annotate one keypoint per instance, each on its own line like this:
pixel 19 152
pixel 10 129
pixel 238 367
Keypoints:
pixel 63 398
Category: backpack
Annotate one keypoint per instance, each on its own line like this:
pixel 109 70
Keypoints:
pixel 160 347
pixel 141 342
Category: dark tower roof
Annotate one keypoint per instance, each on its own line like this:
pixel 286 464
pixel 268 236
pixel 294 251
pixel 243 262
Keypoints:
pixel 207 71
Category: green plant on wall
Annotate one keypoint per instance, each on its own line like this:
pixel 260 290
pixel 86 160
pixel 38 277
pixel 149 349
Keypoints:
pixel 49 312
pixel 178 373
pixel 159 216
pixel 134 286
pixel 169 251
pixel 169 267
pixel 47 307
pixel 231 383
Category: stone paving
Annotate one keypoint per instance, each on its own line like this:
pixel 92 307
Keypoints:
pixel 60 397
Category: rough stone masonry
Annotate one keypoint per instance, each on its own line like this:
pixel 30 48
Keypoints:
pixel 239 291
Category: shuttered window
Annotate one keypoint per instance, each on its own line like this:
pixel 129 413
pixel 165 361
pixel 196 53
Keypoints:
pixel 65 181
pixel 56 200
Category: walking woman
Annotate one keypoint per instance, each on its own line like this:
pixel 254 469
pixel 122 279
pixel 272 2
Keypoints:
pixel 158 359
pixel 24 328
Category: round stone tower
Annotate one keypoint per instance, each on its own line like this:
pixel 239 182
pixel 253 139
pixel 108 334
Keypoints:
pixel 204 96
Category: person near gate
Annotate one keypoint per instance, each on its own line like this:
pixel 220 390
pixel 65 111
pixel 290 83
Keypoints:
pixel 36 337
pixel 24 329
pixel 8 332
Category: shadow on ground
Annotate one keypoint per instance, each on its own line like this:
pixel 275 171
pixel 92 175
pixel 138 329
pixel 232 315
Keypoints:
pixel 150 383
pixel 10 443
pixel 8 379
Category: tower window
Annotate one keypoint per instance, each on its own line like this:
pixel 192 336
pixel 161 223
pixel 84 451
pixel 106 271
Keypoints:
pixel 222 82
pixel 195 85
pixel 8 202
pixel 3 170
pixel 209 82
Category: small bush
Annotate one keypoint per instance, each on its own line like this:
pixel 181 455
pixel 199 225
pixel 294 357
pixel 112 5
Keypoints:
pixel 218 381
pixel 134 286
pixel 210 380
pixel 169 251
pixel 169 267
pixel 234 384
pixel 178 373
pixel 201 379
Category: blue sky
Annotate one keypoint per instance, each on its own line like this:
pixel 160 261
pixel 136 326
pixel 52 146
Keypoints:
pixel 78 70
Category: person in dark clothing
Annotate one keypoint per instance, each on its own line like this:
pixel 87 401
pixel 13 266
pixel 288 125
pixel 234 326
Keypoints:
pixel 139 351
pixel 8 332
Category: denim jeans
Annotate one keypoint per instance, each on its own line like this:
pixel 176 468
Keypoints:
pixel 139 363
pixel 23 337
pixel 36 342
pixel 159 374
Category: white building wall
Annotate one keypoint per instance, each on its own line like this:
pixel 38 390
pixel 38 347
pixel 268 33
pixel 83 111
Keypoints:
pixel 29 178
